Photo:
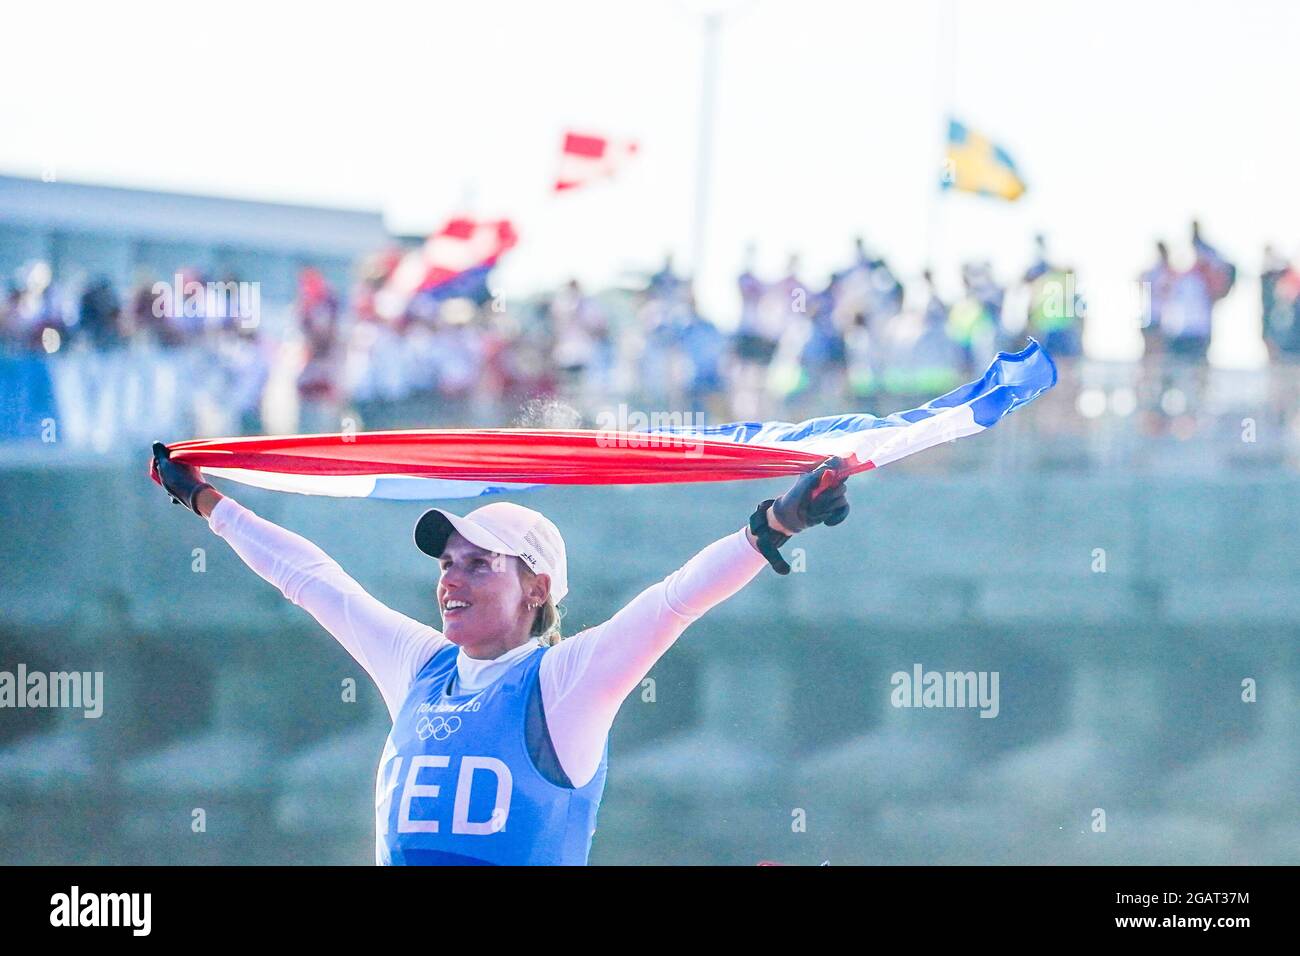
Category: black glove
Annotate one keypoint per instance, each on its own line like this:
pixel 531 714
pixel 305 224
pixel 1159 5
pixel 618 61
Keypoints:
pixel 817 497
pixel 182 482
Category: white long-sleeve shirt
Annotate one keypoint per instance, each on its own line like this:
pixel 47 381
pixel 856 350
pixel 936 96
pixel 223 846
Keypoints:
pixel 584 678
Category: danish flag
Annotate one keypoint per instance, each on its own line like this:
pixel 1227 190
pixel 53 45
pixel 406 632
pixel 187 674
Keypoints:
pixel 585 159
pixel 462 245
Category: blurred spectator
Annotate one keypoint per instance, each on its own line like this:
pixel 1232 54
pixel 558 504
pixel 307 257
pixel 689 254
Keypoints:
pixel 665 284
pixel 663 371
pixel 918 357
pixel 1157 285
pixel 973 320
pixel 869 286
pixel 704 347
pixel 453 353
pixel 1055 306
pixel 582 343
pixel 1280 301
pixel 140 320
pixel 756 337
pixel 1040 265
pixel 36 319
pixel 100 313
pixel 935 359
pixel 824 356
pixel 516 355
pixel 245 362
pixel 1187 319
pixel 10 317
pixel 317 311
pixel 754 340
pixel 867 298
pixel 185 310
pixel 456 348
pixel 785 306
pixel 1220 274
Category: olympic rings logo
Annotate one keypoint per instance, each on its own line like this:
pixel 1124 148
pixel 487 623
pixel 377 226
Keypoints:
pixel 439 728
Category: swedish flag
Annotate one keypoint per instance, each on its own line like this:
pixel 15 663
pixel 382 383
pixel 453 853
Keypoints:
pixel 977 165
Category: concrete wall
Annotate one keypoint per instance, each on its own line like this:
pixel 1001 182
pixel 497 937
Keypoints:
pixel 771 733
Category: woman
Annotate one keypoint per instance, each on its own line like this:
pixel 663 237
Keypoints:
pixel 499 743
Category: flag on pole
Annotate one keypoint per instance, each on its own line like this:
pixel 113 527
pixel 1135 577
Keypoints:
pixel 975 164
pixel 460 247
pixel 466 463
pixel 586 158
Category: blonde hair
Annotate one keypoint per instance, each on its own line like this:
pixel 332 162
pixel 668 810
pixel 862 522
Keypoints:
pixel 546 624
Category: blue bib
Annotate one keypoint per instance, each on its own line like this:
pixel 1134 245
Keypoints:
pixel 459 782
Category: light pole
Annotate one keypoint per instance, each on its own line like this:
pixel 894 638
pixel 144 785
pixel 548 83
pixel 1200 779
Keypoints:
pixel 704 139
pixel 714 14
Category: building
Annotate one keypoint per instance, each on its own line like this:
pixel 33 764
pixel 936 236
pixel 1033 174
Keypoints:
pixel 133 235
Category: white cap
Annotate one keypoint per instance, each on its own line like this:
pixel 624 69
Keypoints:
pixel 506 529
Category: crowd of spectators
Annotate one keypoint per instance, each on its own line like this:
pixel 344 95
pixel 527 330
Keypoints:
pixel 795 347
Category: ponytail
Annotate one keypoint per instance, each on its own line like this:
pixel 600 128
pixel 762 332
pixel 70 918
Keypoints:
pixel 546 624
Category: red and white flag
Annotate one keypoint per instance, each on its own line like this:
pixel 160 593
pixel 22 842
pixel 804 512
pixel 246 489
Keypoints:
pixel 468 463
pixel 461 245
pixel 585 159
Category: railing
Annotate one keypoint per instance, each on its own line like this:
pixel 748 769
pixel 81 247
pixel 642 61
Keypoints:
pixel 1148 416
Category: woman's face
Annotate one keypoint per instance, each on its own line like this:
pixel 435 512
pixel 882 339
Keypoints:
pixel 484 598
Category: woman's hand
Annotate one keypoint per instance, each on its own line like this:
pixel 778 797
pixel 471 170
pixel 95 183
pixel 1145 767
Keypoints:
pixel 815 498
pixel 184 483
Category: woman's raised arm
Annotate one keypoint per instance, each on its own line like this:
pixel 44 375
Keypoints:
pixel 389 645
pixel 585 678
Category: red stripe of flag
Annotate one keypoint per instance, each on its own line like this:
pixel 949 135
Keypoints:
pixel 579 145
pixel 536 456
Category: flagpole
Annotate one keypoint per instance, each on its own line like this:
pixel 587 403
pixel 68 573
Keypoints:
pixel 704 142
pixel 946 89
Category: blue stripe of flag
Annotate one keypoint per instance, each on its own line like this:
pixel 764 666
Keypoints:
pixel 1012 379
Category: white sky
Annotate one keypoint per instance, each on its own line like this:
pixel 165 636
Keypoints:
pixel 1127 118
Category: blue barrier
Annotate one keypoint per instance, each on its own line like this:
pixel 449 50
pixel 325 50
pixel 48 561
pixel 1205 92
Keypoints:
pixel 26 397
